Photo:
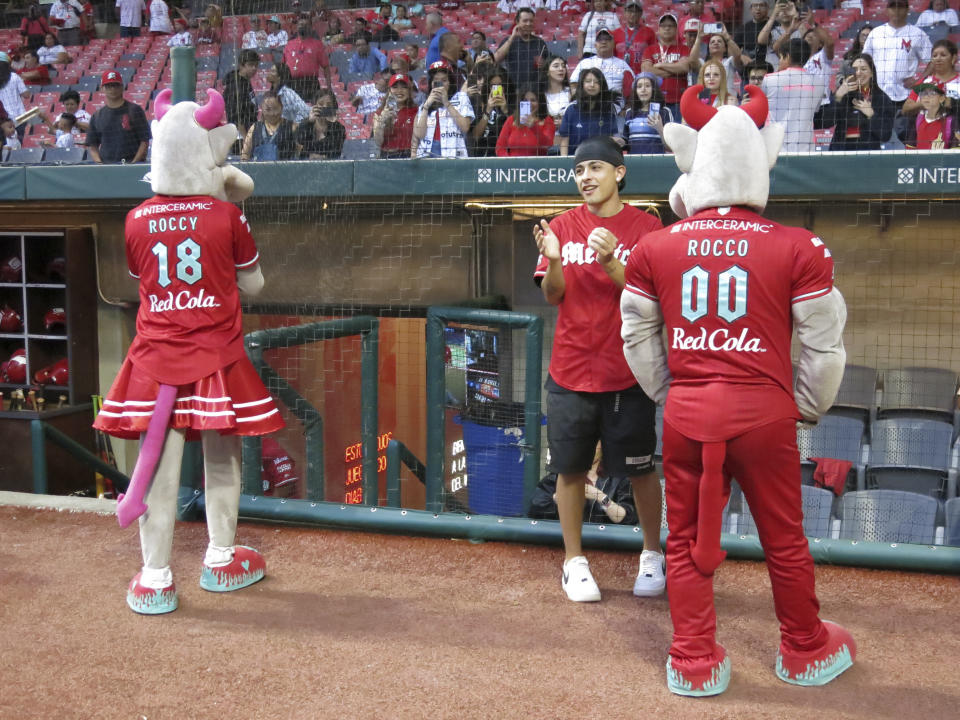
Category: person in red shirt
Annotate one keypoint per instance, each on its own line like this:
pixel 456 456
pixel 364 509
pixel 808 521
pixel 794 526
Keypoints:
pixel 633 37
pixel 669 59
pixel 591 394
pixel 32 72
pixel 730 287
pixel 529 130
pixel 393 122
pixel 306 56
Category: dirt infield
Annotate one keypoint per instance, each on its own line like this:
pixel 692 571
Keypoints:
pixel 351 625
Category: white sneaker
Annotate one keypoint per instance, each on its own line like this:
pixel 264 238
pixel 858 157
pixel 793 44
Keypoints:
pixel 578 583
pixel 650 579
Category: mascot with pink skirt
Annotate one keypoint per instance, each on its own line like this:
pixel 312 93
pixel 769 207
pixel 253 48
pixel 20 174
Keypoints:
pixel 730 287
pixel 186 374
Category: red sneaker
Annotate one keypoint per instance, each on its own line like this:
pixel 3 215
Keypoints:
pixel 150 601
pixel 246 568
pixel 818 667
pixel 701 677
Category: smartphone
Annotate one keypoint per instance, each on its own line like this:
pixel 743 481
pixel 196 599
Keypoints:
pixel 438 83
pixel 712 28
pixel 525 110
pixel 496 91
pixel 654 109
pixel 392 102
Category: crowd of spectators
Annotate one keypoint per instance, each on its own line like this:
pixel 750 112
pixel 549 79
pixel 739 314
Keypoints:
pixel 460 94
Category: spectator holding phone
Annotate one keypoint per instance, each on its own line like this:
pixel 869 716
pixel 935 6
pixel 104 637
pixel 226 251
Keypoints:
pixel 862 111
pixel 820 62
pixel 529 130
pixel 321 136
pixel 490 121
pixel 647 113
pixel 522 53
pixel 442 123
pixel 393 122
pixel 723 49
pixel 593 113
pixel 713 77
pixel 781 27
pixel 746 35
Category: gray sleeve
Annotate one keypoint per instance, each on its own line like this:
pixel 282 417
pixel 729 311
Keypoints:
pixel 643 344
pixel 819 323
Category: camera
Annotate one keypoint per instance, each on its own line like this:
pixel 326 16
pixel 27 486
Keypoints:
pixel 712 28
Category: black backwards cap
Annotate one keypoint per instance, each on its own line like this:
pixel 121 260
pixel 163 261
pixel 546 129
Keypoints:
pixel 599 147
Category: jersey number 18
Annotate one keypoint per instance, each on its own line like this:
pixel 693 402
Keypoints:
pixel 188 265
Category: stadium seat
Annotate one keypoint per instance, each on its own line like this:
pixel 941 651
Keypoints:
pixel 360 150
pixel 63 156
pixel 837 437
pixel 88 83
pixel 916 391
pixel 889 516
pixel 952 513
pixel 24 156
pixel 911 454
pixel 817 514
pixel 857 396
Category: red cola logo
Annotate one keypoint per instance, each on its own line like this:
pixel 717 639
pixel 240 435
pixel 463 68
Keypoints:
pixel 718 340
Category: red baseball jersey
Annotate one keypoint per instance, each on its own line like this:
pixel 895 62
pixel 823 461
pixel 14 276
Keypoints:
pixel 186 251
pixel 726 280
pixel 587 348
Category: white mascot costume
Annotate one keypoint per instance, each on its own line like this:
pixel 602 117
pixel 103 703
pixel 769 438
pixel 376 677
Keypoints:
pixel 186 374
pixel 730 286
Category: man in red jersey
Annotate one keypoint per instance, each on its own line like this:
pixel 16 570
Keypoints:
pixel 186 374
pixel 669 59
pixel 731 286
pixel 591 394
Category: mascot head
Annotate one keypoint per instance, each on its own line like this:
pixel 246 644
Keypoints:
pixel 190 149
pixel 725 154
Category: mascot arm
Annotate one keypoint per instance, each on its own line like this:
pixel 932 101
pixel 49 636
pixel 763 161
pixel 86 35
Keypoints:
pixel 250 280
pixel 643 344
pixel 819 324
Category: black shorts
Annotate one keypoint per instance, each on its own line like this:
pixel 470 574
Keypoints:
pixel 623 421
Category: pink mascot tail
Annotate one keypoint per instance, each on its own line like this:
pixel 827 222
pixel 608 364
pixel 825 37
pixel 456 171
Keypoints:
pixel 705 550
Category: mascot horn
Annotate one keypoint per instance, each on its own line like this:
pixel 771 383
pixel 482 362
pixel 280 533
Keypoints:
pixel 186 374
pixel 731 287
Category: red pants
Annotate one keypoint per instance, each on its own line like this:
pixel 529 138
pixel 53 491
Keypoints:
pixel 766 464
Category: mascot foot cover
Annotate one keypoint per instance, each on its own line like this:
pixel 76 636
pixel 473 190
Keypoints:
pixel 246 568
pixel 818 667
pixel 699 677
pixel 151 601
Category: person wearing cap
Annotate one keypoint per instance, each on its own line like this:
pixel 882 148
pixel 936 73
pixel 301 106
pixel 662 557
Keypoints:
pixel 618 73
pixel 942 69
pixel 13 92
pixel 862 114
pixel 119 132
pixel 131 17
pixel 393 121
pixel 633 37
pixel 746 35
pixel 255 37
pixel 276 36
pixel 306 56
pixel 592 395
pixel 935 125
pixel 899 51
pixel 182 37
pixel 67 16
pixel 442 122
pixel 670 60
pixel 522 54
pixel 238 91
pixel 599 17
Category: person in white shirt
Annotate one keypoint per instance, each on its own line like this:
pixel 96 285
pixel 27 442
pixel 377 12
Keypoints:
pixel 160 18
pixel 938 12
pixel 898 50
pixel 369 96
pixel 616 71
pixel 441 125
pixel 276 36
pixel 131 17
pixel 182 38
pixel 66 15
pixel 820 62
pixel 794 96
pixel 9 134
pixel 255 37
pixel 64 128
pixel 600 17
pixel 51 51
pixel 511 7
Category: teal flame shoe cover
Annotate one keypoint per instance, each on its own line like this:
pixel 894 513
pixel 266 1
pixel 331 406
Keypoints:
pixel 700 679
pixel 246 568
pixel 821 666
pixel 149 601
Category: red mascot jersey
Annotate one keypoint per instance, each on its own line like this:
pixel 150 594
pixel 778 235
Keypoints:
pixel 726 279
pixel 587 351
pixel 186 252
